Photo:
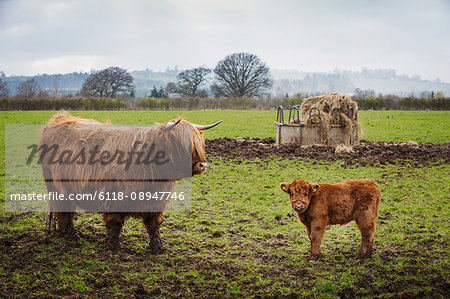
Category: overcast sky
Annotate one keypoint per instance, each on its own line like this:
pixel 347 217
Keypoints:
pixel 57 36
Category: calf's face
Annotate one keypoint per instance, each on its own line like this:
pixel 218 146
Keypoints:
pixel 300 192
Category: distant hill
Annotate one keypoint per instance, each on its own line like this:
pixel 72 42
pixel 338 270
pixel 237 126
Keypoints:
pixel 71 83
pixel 384 81
pixel 147 79
pixel 58 83
pixel 290 82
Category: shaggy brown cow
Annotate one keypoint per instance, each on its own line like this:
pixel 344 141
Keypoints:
pixel 318 205
pixel 71 133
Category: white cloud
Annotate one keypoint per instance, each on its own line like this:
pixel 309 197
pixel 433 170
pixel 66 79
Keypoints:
pixel 59 36
pixel 17 31
pixel 69 63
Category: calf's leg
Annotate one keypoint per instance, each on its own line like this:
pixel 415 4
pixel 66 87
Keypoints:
pixel 113 223
pixel 366 225
pixel 152 224
pixel 316 236
pixel 308 229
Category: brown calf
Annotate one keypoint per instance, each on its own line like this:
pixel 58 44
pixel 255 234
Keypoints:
pixel 318 205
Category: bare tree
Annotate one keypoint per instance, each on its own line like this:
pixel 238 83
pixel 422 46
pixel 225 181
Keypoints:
pixel 94 85
pixel 4 90
pixel 56 83
pixel 217 90
pixel 109 82
pixel 189 81
pixel 29 89
pixel 119 80
pixel 242 75
pixel 171 87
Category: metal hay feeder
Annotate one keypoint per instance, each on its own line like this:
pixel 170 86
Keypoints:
pixel 296 132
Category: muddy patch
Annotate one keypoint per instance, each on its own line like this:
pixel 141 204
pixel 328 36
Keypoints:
pixel 365 153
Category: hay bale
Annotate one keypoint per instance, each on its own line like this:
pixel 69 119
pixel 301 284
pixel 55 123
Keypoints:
pixel 324 120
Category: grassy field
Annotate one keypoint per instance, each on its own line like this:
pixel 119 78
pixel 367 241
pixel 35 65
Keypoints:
pixel 241 237
pixel 419 126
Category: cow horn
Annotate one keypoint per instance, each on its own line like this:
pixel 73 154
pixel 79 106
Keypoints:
pixel 172 124
pixel 206 127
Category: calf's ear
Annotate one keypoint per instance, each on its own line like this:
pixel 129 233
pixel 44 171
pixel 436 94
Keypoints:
pixel 285 187
pixel 314 187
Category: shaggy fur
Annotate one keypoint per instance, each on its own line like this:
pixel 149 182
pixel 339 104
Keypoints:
pixel 71 133
pixel 318 205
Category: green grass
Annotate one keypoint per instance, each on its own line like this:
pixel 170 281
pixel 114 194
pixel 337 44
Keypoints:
pixel 242 238
pixel 419 126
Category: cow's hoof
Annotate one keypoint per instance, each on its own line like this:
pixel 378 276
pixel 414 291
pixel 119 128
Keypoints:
pixel 365 255
pixel 112 244
pixel 313 257
pixel 69 234
pixel 365 252
pixel 156 247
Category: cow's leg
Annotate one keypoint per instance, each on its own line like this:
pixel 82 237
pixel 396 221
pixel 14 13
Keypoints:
pixel 55 208
pixel 366 225
pixel 316 236
pixel 65 224
pixel 152 224
pixel 113 223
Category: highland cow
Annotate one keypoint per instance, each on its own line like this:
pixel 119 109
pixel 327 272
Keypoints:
pixel 72 134
pixel 318 205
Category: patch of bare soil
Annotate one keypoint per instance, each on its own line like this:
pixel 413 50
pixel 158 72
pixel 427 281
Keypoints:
pixel 365 153
pixel 36 263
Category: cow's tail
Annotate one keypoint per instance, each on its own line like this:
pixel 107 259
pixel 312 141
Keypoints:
pixel 50 221
pixel 50 218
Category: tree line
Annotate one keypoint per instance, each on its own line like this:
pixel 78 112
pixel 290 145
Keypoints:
pixel 77 102
pixel 237 82
pixel 237 75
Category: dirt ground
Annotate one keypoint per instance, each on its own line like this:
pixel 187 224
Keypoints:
pixel 365 153
pixel 37 264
